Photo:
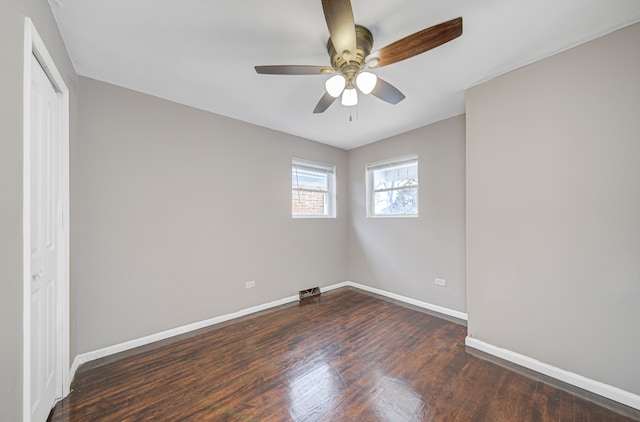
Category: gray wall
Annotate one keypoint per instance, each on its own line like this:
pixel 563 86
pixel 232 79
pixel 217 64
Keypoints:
pixel 11 46
pixel 405 255
pixel 553 207
pixel 177 208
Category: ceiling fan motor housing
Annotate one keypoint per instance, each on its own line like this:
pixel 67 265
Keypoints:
pixel 350 68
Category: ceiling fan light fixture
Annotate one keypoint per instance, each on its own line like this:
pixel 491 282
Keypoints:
pixel 335 85
pixel 350 97
pixel 349 47
pixel 366 81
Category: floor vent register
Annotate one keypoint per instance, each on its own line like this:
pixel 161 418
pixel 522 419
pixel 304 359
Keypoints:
pixel 307 293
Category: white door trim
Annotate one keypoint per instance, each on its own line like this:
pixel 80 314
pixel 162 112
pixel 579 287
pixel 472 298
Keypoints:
pixel 33 45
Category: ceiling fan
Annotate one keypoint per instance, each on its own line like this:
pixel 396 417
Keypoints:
pixel 349 48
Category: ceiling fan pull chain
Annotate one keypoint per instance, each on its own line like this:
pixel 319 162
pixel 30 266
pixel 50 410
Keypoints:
pixel 351 114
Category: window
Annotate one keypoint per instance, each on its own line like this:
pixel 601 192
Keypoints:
pixel 392 187
pixel 312 189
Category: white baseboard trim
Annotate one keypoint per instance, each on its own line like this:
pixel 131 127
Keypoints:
pixel 336 286
pixel 405 299
pixel 77 361
pixel 131 344
pixel 597 387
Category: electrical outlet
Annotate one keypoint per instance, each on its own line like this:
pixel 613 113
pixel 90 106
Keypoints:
pixel 441 282
pixel 249 284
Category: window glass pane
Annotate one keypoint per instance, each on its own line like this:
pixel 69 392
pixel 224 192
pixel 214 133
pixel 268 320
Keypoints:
pixel 396 177
pixel 305 179
pixel 312 189
pixel 392 187
pixel 309 203
pixel 400 201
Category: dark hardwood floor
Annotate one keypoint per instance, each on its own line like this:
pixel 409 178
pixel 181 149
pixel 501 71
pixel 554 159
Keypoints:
pixel 346 356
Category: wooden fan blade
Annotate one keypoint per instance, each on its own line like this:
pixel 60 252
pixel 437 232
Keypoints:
pixel 420 42
pixel 324 103
pixel 387 92
pixel 342 28
pixel 293 70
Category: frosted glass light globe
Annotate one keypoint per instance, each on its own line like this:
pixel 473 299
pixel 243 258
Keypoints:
pixel 350 97
pixel 335 85
pixel 366 81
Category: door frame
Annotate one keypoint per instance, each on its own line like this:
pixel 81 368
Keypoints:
pixel 33 45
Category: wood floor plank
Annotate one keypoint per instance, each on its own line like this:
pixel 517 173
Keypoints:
pixel 345 356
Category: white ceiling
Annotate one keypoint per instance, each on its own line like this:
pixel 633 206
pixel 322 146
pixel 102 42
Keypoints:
pixel 201 53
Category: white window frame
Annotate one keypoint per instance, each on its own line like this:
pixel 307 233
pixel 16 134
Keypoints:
pixel 378 165
pixel 328 169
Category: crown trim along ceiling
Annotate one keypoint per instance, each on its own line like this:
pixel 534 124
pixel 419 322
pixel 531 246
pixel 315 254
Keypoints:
pixel 202 54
